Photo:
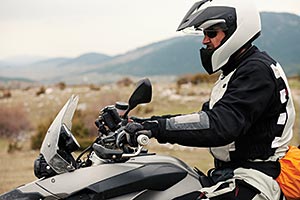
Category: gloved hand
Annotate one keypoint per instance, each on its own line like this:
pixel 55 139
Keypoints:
pixel 205 106
pixel 139 119
pixel 164 116
pixel 152 118
pixel 149 128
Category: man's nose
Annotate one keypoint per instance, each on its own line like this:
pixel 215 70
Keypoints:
pixel 205 40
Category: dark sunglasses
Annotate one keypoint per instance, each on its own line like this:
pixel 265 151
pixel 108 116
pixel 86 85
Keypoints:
pixel 210 33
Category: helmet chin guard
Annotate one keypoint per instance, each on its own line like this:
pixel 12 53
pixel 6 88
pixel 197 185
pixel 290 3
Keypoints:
pixel 241 18
pixel 205 55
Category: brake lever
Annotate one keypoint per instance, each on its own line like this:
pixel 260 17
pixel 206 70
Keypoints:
pixel 142 140
pixel 119 139
pixel 108 139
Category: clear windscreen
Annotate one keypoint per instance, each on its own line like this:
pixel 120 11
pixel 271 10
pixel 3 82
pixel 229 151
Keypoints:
pixel 49 147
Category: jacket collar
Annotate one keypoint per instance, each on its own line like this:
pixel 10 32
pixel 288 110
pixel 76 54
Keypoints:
pixel 237 58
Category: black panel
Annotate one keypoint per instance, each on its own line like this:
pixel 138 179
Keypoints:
pixel 189 196
pixel 153 177
pixel 17 194
pixel 85 194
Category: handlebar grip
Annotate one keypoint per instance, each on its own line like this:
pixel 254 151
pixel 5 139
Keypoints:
pixel 143 140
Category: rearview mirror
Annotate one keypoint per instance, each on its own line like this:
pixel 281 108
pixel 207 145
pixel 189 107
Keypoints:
pixel 142 94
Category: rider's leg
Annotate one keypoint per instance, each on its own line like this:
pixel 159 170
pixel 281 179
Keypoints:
pixel 245 184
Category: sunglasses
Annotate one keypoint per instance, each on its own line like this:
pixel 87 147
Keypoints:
pixel 210 33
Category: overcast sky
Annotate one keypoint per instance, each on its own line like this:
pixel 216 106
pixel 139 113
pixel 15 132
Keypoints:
pixel 68 28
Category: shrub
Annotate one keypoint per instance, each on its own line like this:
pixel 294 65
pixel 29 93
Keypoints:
pixel 37 139
pixel 79 129
pixel 13 121
pixel 13 147
pixel 197 79
pixel 6 94
pixel 125 82
pixel 61 85
pixel 183 80
pixel 94 87
pixel 144 110
pixel 41 90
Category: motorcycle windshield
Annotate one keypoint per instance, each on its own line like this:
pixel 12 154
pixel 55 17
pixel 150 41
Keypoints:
pixel 50 144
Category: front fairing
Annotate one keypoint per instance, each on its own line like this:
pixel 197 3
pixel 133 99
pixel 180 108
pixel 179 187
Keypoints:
pixel 50 147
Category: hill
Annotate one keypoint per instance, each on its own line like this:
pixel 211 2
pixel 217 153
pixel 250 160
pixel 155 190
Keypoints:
pixel 181 55
pixel 171 57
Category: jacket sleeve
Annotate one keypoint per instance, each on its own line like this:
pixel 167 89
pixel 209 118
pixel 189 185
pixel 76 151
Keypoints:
pixel 249 94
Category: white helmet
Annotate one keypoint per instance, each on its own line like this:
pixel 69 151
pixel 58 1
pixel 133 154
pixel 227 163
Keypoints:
pixel 241 19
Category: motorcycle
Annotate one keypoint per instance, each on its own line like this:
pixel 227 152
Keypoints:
pixel 112 169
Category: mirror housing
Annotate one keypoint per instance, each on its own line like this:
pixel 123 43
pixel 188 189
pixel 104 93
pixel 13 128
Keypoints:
pixel 142 94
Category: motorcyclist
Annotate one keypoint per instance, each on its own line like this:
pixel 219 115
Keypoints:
pixel 247 123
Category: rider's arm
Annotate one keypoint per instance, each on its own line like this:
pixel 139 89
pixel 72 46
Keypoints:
pixel 249 93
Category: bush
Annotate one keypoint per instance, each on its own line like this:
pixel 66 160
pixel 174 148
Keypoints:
pixel 13 121
pixel 41 90
pixel 37 139
pixel 61 85
pixel 183 80
pixel 144 110
pixel 125 82
pixel 13 147
pixel 94 87
pixel 80 130
pixel 197 79
pixel 6 94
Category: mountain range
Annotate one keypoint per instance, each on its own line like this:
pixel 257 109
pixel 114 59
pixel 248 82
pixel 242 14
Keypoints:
pixel 171 57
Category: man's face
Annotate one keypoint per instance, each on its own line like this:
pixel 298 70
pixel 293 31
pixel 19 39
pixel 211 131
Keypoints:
pixel 213 38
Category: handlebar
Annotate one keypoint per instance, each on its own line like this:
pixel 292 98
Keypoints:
pixel 143 140
pixel 102 152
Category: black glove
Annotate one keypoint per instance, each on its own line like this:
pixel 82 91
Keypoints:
pixel 149 128
pixel 205 106
pixel 164 116
pixel 152 118
pixel 139 119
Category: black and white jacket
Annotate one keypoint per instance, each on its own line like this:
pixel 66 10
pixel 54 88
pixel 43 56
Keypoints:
pixel 249 116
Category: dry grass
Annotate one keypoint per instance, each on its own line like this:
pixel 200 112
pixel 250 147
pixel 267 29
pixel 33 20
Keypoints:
pixel 16 169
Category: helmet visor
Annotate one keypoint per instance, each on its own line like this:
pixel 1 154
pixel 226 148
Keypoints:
pixel 211 31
